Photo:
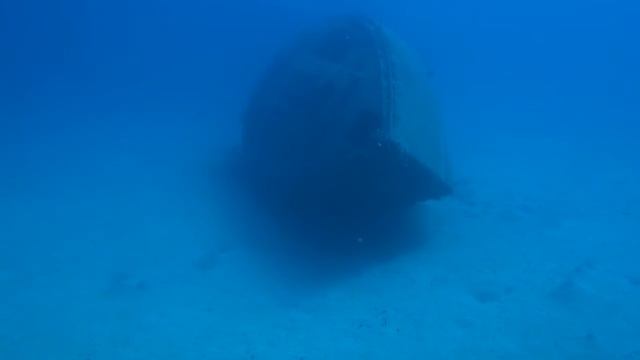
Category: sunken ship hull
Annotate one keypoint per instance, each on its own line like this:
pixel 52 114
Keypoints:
pixel 341 133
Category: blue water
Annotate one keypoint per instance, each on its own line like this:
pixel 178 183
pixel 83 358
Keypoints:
pixel 114 243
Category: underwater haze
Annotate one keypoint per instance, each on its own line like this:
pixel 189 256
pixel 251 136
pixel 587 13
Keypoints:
pixel 118 241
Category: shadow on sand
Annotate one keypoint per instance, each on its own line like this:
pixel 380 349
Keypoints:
pixel 307 247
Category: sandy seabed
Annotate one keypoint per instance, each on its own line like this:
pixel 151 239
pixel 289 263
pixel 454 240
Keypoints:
pixel 121 254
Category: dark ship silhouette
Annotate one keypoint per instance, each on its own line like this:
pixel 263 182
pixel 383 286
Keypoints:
pixel 340 141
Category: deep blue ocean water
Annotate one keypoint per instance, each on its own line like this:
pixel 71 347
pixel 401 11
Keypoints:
pixel 114 243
